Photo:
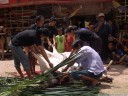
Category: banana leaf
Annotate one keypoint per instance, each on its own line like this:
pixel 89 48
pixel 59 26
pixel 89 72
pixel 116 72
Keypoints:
pixel 43 77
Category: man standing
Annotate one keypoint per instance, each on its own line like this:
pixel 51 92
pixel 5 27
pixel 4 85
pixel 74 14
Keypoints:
pixel 103 30
pixel 39 22
pixel 27 38
pixel 52 35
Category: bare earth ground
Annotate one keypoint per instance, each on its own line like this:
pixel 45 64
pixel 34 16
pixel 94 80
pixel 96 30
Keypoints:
pixel 119 87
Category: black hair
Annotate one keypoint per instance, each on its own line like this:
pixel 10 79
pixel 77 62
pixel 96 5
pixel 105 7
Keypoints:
pixel 126 45
pixel 69 29
pixel 90 24
pixel 43 31
pixel 125 36
pixel 38 18
pixel 76 43
pixel 53 18
pixel 112 42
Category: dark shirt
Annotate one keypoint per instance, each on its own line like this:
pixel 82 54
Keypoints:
pixel 33 26
pixel 92 39
pixel 104 31
pixel 53 30
pixel 26 38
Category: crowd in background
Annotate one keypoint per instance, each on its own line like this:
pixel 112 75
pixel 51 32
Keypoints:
pixel 104 38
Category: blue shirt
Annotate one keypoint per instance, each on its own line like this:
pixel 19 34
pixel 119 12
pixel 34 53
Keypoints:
pixel 91 60
pixel 105 30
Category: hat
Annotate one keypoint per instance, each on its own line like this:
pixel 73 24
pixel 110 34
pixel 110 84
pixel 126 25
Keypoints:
pixel 101 15
pixel 52 19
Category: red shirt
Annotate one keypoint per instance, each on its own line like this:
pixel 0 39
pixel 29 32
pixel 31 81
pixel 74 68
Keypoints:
pixel 68 44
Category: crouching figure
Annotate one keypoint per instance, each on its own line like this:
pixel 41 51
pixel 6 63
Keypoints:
pixel 91 65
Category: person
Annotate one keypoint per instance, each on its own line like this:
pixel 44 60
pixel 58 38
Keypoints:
pixel 91 27
pixel 2 41
pixel 124 59
pixel 103 30
pixel 90 38
pixel 39 22
pixel 125 39
pixel 114 28
pixel 91 65
pixel 112 50
pixel 27 38
pixel 69 39
pixel 60 41
pixel 53 32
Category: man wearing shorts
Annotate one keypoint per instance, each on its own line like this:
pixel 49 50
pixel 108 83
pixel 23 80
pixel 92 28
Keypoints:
pixel 28 38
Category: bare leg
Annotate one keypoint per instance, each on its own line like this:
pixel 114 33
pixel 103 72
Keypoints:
pixel 2 48
pixel 29 74
pixel 94 81
pixel 20 72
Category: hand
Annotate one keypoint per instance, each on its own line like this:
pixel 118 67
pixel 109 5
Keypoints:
pixel 101 23
pixel 65 69
pixel 51 65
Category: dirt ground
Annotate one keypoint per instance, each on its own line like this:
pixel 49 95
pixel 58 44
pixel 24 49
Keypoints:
pixel 119 87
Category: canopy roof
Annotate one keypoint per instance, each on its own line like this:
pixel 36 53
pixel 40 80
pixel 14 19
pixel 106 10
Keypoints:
pixel 14 3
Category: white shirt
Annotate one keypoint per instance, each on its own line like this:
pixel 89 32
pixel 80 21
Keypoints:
pixel 91 60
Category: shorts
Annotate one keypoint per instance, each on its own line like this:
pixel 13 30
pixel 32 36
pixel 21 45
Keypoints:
pixel 76 74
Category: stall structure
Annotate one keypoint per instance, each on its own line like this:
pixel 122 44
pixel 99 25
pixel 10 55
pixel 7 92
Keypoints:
pixel 17 15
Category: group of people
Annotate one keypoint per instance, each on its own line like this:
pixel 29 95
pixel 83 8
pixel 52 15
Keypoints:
pixel 94 41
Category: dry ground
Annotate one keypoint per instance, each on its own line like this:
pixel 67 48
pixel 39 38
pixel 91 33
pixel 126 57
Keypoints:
pixel 118 72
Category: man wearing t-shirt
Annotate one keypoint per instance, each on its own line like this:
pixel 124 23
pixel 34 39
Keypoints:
pixel 91 65
pixel 52 35
pixel 39 22
pixel 27 38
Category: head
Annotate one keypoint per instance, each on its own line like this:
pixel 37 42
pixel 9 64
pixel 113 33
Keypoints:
pixel 77 44
pixel 43 32
pixel 84 34
pixel 52 21
pixel 125 39
pixel 40 20
pixel 59 30
pixel 101 17
pixel 91 27
pixel 126 48
pixel 69 30
pixel 111 45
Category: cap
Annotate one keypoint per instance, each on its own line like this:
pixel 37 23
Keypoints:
pixel 101 15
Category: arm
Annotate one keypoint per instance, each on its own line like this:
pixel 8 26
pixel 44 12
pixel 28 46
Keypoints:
pixel 69 65
pixel 99 26
pixel 49 43
pixel 121 60
pixel 43 53
pixel 54 40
